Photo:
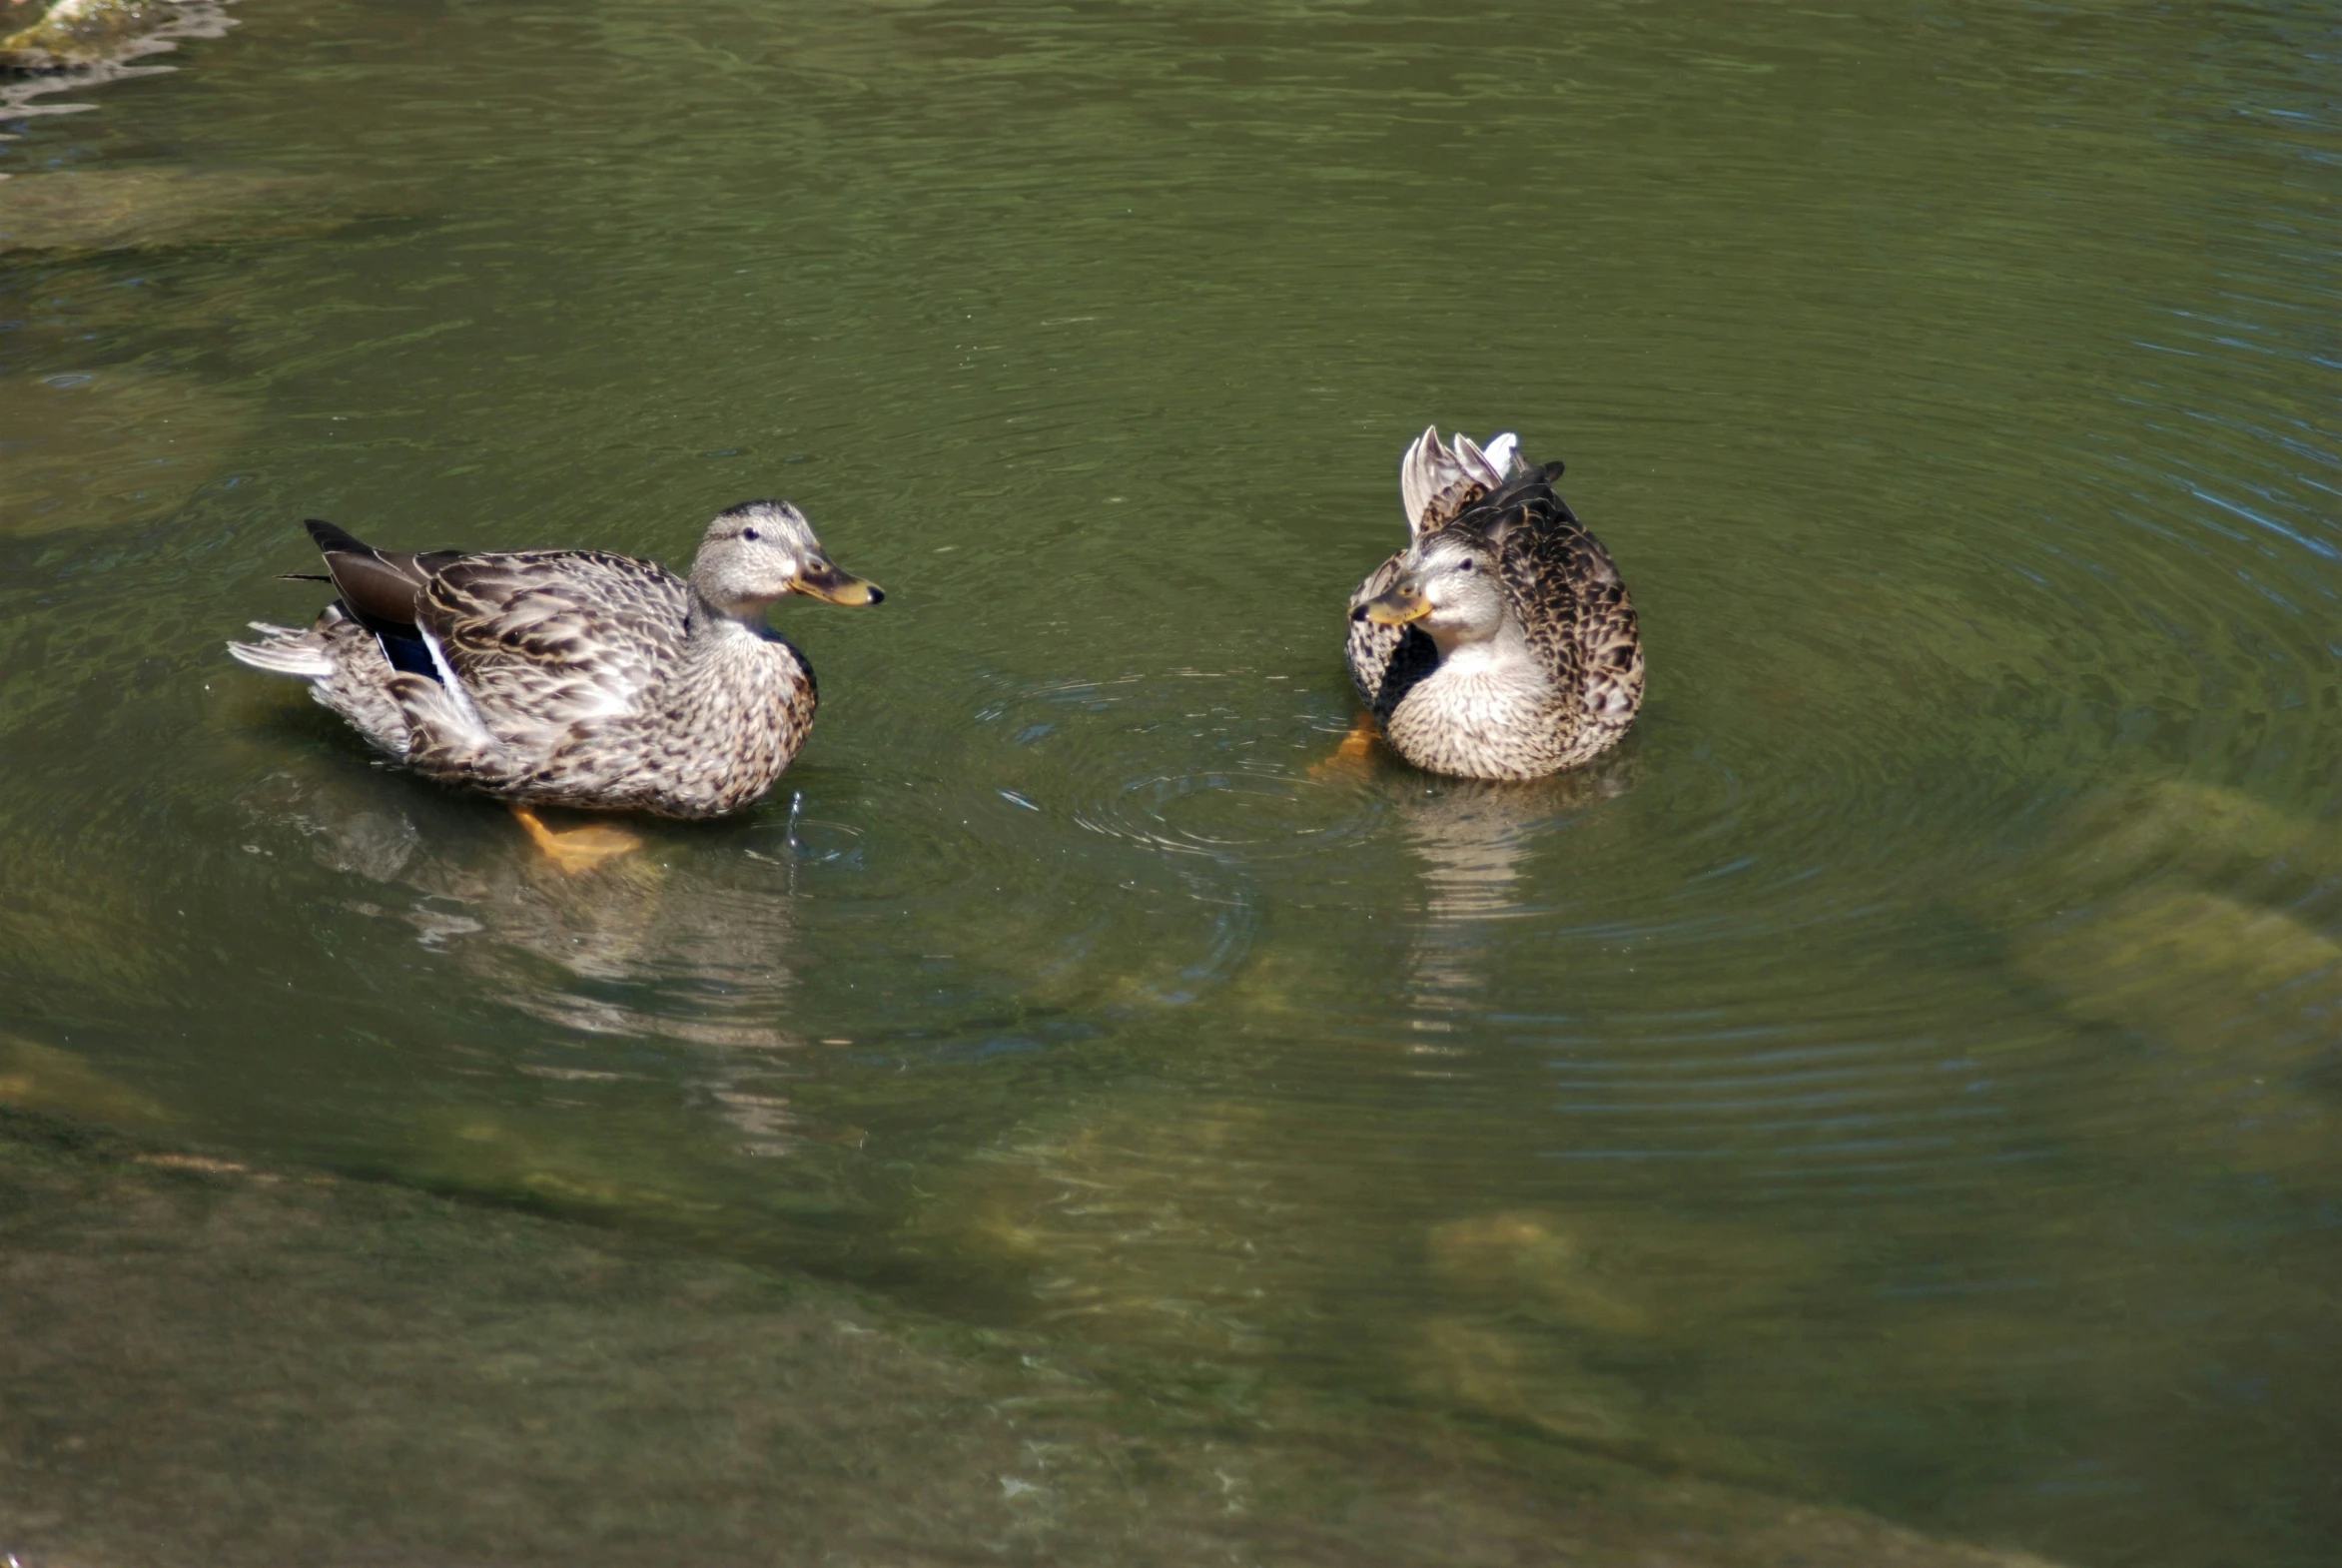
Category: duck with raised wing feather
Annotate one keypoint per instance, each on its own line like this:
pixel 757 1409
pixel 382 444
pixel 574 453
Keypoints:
pixel 1500 643
pixel 577 678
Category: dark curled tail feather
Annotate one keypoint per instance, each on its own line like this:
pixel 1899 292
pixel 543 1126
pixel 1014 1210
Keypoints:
pixel 331 536
pixel 380 588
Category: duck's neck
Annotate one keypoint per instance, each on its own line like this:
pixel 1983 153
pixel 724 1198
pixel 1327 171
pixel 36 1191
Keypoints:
pixel 711 634
pixel 1504 656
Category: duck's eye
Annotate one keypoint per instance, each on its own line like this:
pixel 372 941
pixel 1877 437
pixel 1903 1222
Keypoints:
pixel 750 533
pixel 1469 564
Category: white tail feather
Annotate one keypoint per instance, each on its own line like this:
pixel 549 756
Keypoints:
pixel 1474 463
pixel 1436 481
pixel 285 655
pixel 1418 477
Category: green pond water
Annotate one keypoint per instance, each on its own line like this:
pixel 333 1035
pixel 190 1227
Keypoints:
pixel 1905 1075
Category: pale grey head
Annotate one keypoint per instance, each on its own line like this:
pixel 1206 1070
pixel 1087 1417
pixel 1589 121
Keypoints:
pixel 762 551
pixel 1451 584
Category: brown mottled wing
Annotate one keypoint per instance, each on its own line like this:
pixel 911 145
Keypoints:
pixel 545 639
pixel 1567 593
pixel 1385 660
pixel 1610 636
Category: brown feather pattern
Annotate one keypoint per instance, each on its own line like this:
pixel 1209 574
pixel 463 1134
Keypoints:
pixel 583 678
pixel 1566 595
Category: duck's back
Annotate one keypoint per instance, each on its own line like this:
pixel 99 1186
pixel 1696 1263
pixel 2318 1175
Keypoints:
pixel 545 637
pixel 584 666
pixel 1569 598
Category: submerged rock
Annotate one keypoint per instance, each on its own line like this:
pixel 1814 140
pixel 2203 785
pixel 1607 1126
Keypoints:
pixel 145 208
pixel 2184 914
pixel 1545 1309
pixel 35 1076
pixel 1536 1257
pixel 1503 1372
pixel 1223 1234
pixel 1624 1273
pixel 2240 999
pixel 212 1361
pixel 110 449
pixel 2187 963
pixel 2180 829
pixel 1140 1223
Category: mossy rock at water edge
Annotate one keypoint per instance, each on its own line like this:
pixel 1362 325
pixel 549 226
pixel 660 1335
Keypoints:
pixel 74 34
pixel 209 1361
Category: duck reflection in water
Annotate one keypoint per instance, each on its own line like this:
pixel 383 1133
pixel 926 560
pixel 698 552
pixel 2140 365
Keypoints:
pixel 1473 839
pixel 699 953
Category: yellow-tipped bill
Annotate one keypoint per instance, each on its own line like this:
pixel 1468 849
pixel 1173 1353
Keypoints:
pixel 825 582
pixel 1401 605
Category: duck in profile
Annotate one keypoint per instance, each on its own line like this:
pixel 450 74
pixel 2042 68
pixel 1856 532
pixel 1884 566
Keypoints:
pixel 575 678
pixel 1500 643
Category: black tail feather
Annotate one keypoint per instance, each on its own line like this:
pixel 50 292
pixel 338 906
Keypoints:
pixel 330 536
pixel 379 587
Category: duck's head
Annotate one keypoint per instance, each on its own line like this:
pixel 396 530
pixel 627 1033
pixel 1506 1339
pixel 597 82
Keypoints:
pixel 760 552
pixel 1450 584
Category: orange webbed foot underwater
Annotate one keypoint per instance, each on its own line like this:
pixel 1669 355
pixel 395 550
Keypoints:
pixel 579 849
pixel 1352 754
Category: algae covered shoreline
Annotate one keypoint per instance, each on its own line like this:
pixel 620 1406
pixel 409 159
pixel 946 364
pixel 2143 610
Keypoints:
pixel 212 1360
